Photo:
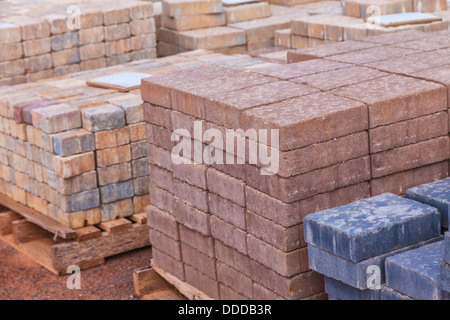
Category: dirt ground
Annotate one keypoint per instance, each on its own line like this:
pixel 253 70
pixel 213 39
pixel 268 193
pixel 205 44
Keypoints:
pixel 23 279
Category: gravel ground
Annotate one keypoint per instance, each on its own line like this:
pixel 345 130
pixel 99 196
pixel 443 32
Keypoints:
pixel 23 279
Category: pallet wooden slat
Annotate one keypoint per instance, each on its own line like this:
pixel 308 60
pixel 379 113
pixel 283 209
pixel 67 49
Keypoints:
pixel 109 244
pixel 25 231
pixel 87 233
pixel 140 218
pixel 38 218
pixel 6 219
pixel 184 288
pixel 89 250
pixel 114 226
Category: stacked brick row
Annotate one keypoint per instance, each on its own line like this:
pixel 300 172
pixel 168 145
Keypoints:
pixel 260 33
pixel 81 161
pixel 78 153
pixel 359 8
pixel 355 245
pixel 190 25
pixel 343 137
pixel 229 27
pixel 38 42
pixel 326 28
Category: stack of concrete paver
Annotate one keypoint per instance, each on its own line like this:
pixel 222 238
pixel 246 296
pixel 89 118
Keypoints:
pixel 260 33
pixel 79 162
pixel 397 133
pixel 351 23
pixel 253 221
pixel 366 141
pixel 78 153
pixel 228 27
pixel 435 194
pixel 40 40
pixel 189 25
pixel 350 244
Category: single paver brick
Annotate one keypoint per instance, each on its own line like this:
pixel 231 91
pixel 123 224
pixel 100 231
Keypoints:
pixel 165 244
pixel 227 211
pixel 56 118
pixel 225 186
pixel 81 201
pixel 139 150
pixel 202 282
pixel 416 273
pixel 176 8
pixel 168 264
pixel 190 195
pixel 199 261
pixel 73 142
pixel 228 234
pixel 234 279
pixel 112 156
pixel 141 185
pixel 112 138
pixel 198 241
pixel 71 166
pixel 435 194
pixel 285 239
pixel 114 174
pixel 117 191
pixel 287 263
pixel 192 218
pixel 163 222
pixel 104 117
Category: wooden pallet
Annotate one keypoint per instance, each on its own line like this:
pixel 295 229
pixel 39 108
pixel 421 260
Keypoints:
pixel 86 249
pixel 153 283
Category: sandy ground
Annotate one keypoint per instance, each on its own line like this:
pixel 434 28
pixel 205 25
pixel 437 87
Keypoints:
pixel 21 278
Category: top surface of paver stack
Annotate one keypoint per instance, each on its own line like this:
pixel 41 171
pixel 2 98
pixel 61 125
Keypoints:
pixel 251 212
pixel 41 40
